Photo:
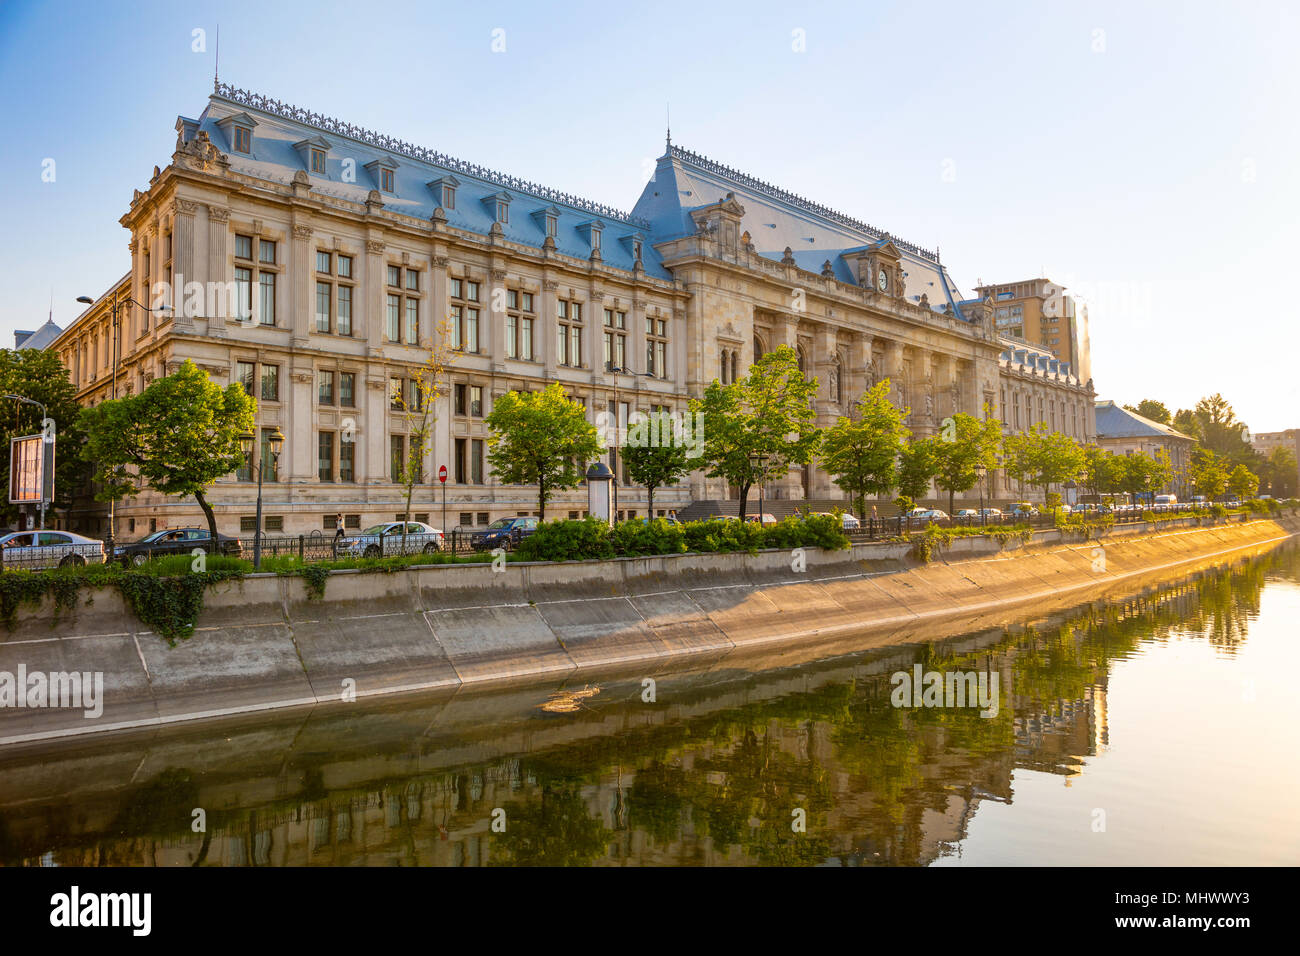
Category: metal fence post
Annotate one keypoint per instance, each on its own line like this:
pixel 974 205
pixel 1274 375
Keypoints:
pixel 301 547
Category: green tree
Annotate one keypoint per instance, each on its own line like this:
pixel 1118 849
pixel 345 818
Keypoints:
pixel 961 446
pixel 1018 451
pixel 1207 473
pixel 755 429
pixel 1280 472
pixel 40 376
pixel 1101 470
pixel 418 402
pixel 1140 473
pixel 655 454
pixel 1243 482
pixel 1218 428
pixel 177 437
pixel 862 451
pixel 543 439
pixel 917 466
pixel 1150 408
pixel 1057 458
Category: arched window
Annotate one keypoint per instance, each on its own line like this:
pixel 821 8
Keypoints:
pixel 758 348
pixel 723 377
pixel 803 360
pixel 838 372
pixel 734 357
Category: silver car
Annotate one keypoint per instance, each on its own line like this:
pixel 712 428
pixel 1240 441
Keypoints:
pixel 385 539
pixel 33 550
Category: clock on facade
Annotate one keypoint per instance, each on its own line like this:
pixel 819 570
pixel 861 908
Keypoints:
pixel 882 281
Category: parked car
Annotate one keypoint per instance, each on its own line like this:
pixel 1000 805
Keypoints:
pixel 174 541
pixel 966 514
pixel 926 515
pixel 1166 499
pixel 1022 509
pixel 765 518
pixel 991 512
pixel 503 533
pixel 33 550
pixel 385 539
pixel 847 521
pixel 669 518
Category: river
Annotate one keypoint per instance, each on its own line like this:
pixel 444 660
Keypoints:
pixel 1151 731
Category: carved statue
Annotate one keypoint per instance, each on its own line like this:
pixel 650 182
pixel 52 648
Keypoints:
pixel 929 405
pixel 833 379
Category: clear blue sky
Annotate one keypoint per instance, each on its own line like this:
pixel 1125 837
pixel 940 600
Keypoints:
pixel 1143 154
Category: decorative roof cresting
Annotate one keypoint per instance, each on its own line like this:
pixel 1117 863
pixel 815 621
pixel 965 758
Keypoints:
pixel 328 124
pixel 743 179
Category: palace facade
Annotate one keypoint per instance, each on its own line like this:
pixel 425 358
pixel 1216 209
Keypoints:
pixel 316 263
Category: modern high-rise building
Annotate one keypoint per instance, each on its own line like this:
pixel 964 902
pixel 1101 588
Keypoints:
pixel 1038 312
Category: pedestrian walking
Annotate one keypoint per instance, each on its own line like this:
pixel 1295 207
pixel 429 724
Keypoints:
pixel 338 532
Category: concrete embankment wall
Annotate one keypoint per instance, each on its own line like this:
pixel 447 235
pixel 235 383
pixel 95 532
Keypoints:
pixel 263 643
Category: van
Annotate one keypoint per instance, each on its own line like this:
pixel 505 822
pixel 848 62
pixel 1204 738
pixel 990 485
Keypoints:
pixel 1166 499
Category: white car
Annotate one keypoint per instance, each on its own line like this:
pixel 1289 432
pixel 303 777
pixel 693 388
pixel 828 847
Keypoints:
pixel 382 540
pixel 991 512
pixel 927 514
pixel 49 549
pixel 848 522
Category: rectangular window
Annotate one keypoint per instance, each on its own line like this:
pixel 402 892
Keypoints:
pixel 270 465
pixel 512 328
pixel 461 445
pixel 347 460
pixel 471 330
pixel 325 387
pixel 244 292
pixel 395 393
pixel 266 303
pixel 412 321
pixel 386 180
pixel 396 454
pixel 395 275
pixel 244 372
pixel 318 161
pixel 414 398
pixel 323 290
pixel 243 140
pixel 394 318
pixel 458 393
pixel 266 251
pixel 325 456
pixel 270 383
pixel 476 461
pixel 345 267
pixel 323 262
pixel 345 310
pixel 413 280
pixel 471 291
pixel 347 389
pixel 453 288
pixel 243 247
pixel 476 401
pixel 526 338
pixel 448 197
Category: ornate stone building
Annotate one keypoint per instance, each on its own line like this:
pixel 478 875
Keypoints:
pixel 313 261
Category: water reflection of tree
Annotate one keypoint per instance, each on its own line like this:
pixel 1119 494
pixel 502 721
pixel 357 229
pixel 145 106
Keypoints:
pixel 556 830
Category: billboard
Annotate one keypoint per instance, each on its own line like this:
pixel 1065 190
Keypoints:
pixel 31 470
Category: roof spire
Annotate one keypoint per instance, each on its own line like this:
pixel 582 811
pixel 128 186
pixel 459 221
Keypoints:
pixel 668 113
pixel 216 66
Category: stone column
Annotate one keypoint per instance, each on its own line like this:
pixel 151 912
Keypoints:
pixel 437 294
pixel 298 467
pixel 893 370
pixel 636 339
pixel 594 340
pixel 372 438
pixel 547 322
pixel 496 316
pixel 183 263
pixel 855 373
pixel 218 267
pixel 295 299
pixel 374 308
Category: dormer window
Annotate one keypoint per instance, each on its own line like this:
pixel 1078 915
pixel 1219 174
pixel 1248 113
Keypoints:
pixel 239 131
pixel 443 191
pixel 548 219
pixel 313 152
pixel 384 172
pixel 591 232
pixel 498 207
pixel 318 161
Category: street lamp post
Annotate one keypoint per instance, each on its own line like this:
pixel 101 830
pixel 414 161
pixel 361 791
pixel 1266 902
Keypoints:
pixel 44 418
pixel 981 470
pixel 246 442
pixel 125 300
pixel 618 461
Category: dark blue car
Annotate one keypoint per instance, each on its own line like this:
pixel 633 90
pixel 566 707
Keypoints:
pixel 503 533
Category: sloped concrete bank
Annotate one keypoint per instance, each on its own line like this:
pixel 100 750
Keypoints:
pixel 262 643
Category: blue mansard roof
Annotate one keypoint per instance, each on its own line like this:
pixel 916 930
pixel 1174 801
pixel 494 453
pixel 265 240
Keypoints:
pixel 776 219
pixel 278 153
